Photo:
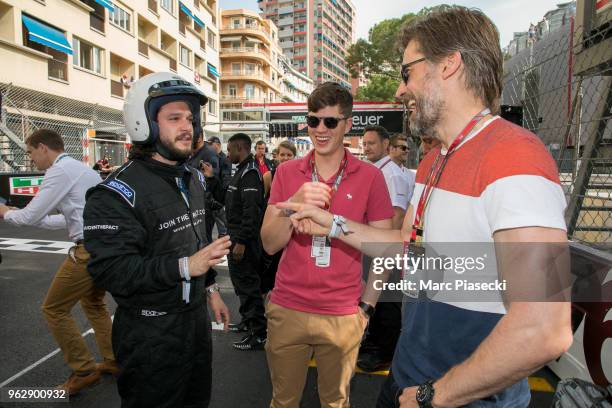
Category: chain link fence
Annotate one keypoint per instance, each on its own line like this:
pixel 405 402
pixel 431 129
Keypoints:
pixel 569 108
pixel 25 110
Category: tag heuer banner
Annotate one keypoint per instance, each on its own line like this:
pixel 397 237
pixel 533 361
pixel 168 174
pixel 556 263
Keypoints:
pixel 25 186
pixel 388 115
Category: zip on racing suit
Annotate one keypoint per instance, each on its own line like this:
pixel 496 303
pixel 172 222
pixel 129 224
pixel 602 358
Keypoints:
pixel 137 224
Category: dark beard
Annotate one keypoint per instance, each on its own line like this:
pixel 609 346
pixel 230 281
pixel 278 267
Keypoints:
pixel 427 114
pixel 178 154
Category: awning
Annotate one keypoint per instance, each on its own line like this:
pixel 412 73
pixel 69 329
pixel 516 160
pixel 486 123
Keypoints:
pixel 46 35
pixel 231 39
pixel 213 70
pixel 253 40
pixel 106 3
pixel 190 14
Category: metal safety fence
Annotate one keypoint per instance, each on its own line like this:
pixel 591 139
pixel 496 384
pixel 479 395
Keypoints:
pixel 25 110
pixel 556 89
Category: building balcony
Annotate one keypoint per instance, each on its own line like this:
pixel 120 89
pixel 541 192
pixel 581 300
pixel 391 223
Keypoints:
pixel 245 52
pixel 237 99
pixel 116 88
pixel 246 29
pixel 250 76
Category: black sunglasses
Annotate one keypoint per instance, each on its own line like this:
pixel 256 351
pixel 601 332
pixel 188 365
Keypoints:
pixel 406 69
pixel 330 122
pixel 403 147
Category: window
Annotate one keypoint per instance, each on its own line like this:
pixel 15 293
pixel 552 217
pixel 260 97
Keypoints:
pixel 249 91
pixel 249 69
pixel 58 65
pixel 97 16
pixel 184 56
pixel 86 56
pixel 213 74
pixel 235 68
pixel 120 18
pixel 231 90
pixel 236 23
pixel 212 39
pixel 212 106
pixel 199 65
pixel 167 5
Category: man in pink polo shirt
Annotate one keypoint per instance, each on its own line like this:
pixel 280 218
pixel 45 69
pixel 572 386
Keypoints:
pixel 317 307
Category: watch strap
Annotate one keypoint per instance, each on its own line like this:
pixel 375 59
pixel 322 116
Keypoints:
pixel 367 308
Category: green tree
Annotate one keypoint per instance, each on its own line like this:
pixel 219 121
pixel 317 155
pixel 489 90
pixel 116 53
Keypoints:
pixel 378 55
pixel 380 88
pixel 378 58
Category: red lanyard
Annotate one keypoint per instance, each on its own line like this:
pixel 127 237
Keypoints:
pixel 434 176
pixel 339 174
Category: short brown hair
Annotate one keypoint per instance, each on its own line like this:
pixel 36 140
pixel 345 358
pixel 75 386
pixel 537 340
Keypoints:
pixel 331 94
pixel 469 32
pixel 288 145
pixel 382 133
pixel 48 137
pixel 393 139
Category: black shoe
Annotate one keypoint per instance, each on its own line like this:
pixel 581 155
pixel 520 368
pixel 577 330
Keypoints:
pixel 372 362
pixel 251 342
pixel 238 327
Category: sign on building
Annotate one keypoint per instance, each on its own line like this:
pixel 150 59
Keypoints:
pixel 388 115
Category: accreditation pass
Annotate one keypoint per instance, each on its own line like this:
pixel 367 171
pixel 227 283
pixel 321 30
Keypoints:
pixel 321 251
pixel 32 394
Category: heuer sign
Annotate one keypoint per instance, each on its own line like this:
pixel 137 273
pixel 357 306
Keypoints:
pixel 388 115
pixel 25 186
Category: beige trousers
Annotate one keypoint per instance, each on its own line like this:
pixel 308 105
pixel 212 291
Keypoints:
pixel 294 337
pixel 71 284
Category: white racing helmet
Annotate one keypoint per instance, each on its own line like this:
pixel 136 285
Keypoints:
pixel 147 95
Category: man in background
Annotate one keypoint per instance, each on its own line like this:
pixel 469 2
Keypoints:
pixel 63 189
pixel 377 348
pixel 204 155
pixel 265 164
pixel 225 166
pixel 244 203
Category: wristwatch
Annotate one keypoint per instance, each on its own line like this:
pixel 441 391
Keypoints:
pixel 341 222
pixel 212 289
pixel 425 394
pixel 338 225
pixel 367 309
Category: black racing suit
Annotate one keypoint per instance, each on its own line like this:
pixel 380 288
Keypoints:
pixel 244 206
pixel 137 225
pixel 208 155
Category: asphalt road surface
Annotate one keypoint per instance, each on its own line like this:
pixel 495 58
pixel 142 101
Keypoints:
pixel 30 358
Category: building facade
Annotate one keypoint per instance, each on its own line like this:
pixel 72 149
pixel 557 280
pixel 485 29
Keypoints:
pixel 254 74
pixel 314 35
pixel 68 64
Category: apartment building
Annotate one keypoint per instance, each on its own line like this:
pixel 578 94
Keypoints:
pixel 254 73
pixel 68 64
pixel 295 86
pixel 314 35
pixel 249 59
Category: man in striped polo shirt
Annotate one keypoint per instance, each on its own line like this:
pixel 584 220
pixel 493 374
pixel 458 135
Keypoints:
pixel 488 182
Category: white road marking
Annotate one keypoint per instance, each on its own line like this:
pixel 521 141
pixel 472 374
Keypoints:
pixel 35 245
pixel 38 245
pixel 39 362
pixel 214 325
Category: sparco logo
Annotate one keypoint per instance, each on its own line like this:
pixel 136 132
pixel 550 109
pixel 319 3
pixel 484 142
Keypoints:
pixel 121 188
pixel 151 313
